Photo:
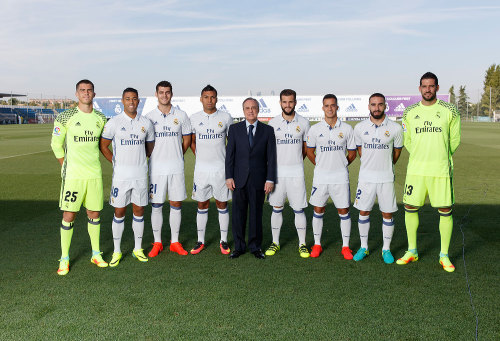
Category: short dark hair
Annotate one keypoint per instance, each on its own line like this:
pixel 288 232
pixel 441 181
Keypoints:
pixel 130 90
pixel 327 96
pixel 250 99
pixel 208 88
pixel 376 94
pixel 429 75
pixel 84 81
pixel 288 92
pixel 164 84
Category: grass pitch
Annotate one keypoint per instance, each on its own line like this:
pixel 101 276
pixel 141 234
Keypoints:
pixel 209 296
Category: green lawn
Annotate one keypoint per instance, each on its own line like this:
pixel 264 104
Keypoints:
pixel 209 296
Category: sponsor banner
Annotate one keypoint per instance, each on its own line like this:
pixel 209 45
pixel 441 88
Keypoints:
pixel 397 104
pixel 112 106
pixel 351 107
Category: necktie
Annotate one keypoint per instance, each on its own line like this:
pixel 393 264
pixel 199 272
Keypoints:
pixel 250 135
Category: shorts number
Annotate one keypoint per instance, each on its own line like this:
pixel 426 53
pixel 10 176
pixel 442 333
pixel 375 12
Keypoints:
pixel 314 190
pixel 358 194
pixel 114 191
pixel 408 189
pixel 70 196
pixel 152 188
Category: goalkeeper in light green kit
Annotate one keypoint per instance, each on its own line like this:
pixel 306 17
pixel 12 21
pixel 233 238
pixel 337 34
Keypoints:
pixel 431 130
pixel 75 142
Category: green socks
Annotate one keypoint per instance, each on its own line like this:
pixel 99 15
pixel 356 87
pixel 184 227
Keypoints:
pixel 66 234
pixel 445 229
pixel 411 222
pixel 94 228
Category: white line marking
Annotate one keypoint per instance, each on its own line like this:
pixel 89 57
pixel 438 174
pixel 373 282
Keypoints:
pixel 8 157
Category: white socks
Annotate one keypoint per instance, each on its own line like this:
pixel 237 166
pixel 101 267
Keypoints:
pixel 201 224
pixel 345 228
pixel 138 228
pixel 117 227
pixel 223 223
pixel 317 225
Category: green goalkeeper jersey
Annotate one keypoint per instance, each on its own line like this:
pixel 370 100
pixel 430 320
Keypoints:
pixel 431 136
pixel 76 137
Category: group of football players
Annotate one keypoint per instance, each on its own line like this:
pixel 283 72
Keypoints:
pixel 430 132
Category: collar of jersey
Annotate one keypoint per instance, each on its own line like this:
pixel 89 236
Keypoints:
pixel 336 125
pixel 171 112
pixel 384 122
pixel 210 115
pixel 294 118
pixel 130 118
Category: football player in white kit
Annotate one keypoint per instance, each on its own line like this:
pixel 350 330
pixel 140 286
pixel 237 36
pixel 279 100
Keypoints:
pixel 290 130
pixel 379 141
pixel 331 148
pixel 210 127
pixel 133 141
pixel 166 166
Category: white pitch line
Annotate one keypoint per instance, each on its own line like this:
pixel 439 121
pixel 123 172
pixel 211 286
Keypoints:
pixel 8 157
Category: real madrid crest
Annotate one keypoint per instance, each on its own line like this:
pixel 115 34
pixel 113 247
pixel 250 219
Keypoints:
pixel 387 133
pixel 341 135
pixel 143 130
pixel 220 124
pixel 176 121
pixel 297 129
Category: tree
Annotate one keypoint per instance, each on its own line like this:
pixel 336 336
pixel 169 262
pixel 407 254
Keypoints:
pixel 453 99
pixel 13 101
pixel 491 86
pixel 462 100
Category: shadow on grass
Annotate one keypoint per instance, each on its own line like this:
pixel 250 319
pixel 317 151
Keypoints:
pixel 42 217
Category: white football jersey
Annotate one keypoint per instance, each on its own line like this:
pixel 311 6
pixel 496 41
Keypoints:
pixel 331 145
pixel 129 145
pixel 377 143
pixel 167 157
pixel 210 131
pixel 290 137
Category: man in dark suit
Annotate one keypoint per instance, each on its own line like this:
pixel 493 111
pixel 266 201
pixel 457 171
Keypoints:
pixel 250 174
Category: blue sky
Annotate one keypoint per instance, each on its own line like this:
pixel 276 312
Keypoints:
pixel 314 47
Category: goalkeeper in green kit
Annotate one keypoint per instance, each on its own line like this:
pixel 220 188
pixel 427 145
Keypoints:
pixel 431 130
pixel 75 142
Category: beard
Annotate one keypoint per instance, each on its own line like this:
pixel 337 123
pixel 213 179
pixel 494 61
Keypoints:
pixel 377 114
pixel 429 96
pixel 290 113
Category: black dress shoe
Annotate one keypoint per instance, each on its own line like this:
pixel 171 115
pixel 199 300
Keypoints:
pixel 258 254
pixel 235 254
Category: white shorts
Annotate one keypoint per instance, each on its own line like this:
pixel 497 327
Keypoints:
pixel 384 192
pixel 292 188
pixel 172 185
pixel 126 192
pixel 340 194
pixel 207 185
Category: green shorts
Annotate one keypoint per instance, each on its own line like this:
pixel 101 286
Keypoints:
pixel 75 192
pixel 417 187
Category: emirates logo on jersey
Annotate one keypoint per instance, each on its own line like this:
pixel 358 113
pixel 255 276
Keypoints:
pixel 220 124
pixel 387 133
pixel 341 135
pixel 176 121
pixel 143 130
pixel 297 129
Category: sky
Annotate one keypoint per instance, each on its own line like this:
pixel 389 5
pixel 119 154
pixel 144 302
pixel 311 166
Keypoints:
pixel 313 47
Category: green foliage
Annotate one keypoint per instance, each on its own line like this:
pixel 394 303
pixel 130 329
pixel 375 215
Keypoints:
pixel 453 98
pixel 211 297
pixel 462 100
pixel 491 88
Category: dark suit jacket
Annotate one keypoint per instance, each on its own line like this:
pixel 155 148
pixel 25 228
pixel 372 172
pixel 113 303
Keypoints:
pixel 252 166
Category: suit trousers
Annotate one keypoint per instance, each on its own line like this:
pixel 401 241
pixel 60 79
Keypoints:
pixel 247 199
